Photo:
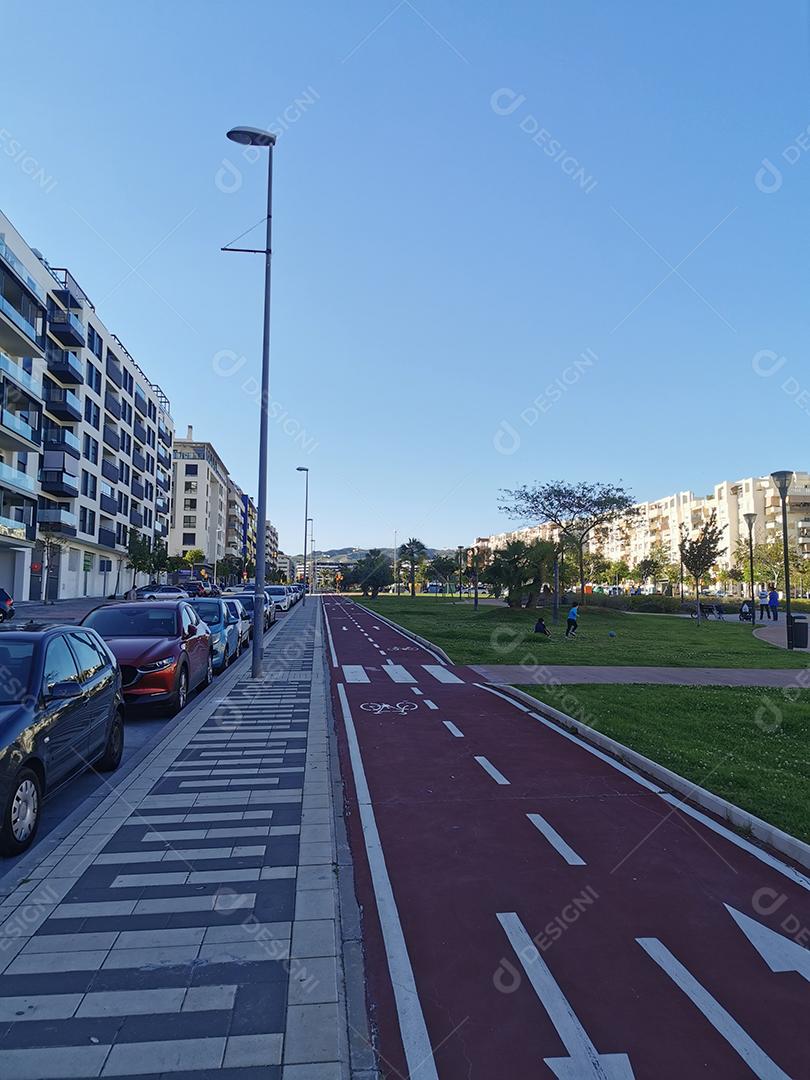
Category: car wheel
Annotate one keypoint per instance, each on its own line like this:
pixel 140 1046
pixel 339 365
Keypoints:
pixel 181 693
pixel 209 671
pixel 21 814
pixel 2 616
pixel 113 751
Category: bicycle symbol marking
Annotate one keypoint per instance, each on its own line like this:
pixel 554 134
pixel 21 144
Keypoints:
pixel 377 707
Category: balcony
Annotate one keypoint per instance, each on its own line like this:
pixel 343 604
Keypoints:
pixel 161 530
pixel 110 470
pixel 162 481
pixel 64 365
pixel 106 537
pixel 69 294
pixel 161 505
pixel 15 530
pixel 137 489
pixel 164 458
pixel 164 434
pixel 62 403
pixel 16 431
pixel 111 438
pixel 138 461
pixel 18 335
pixel 139 430
pixel 108 504
pixel 67 328
pixel 136 518
pixel 112 405
pixel 59 482
pixel 20 481
pixel 56 520
pixel 114 371
pixel 140 401
pixel 21 377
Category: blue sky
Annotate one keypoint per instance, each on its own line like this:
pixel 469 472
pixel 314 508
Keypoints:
pixel 439 262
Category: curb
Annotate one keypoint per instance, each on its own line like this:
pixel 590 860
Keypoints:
pixel 729 812
pixel 409 633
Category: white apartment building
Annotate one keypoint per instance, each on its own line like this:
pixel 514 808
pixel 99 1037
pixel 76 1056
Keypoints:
pixel 659 521
pixel 200 499
pixel 271 546
pixel 85 437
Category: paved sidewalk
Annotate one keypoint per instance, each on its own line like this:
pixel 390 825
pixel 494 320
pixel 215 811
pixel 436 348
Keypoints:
pixel 524 674
pixel 775 633
pixel 222 960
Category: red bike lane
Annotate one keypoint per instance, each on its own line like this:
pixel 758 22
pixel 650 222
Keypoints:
pixel 495 829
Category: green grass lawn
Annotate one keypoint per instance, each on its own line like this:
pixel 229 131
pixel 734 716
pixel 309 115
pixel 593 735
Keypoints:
pixel 499 635
pixel 749 745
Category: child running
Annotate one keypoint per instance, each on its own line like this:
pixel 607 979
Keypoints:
pixel 571 623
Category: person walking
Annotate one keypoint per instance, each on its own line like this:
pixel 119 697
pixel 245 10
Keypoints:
pixel 773 603
pixel 571 621
pixel 764 610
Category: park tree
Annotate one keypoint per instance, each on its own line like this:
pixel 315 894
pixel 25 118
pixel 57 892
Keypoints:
pixel 576 510
pixel 371 573
pixel 769 561
pixel 701 552
pixel 52 544
pixel 652 566
pixel 442 568
pixel 160 558
pixel 139 554
pixel 194 555
pixel 230 567
pixel 618 571
pixel 507 571
pixel 411 553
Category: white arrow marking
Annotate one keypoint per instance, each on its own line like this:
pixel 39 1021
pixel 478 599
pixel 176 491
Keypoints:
pixel 778 951
pixel 723 1022
pixel 584 1062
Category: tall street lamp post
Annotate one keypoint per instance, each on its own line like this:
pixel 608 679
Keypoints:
pixel 312 553
pixel 749 519
pixel 304 469
pixel 248 136
pixel 782 480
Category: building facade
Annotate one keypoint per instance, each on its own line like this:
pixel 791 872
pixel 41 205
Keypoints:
pixel 659 522
pixel 85 437
pixel 271 546
pixel 200 500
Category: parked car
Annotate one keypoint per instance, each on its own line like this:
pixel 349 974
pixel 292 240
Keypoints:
pixel 224 627
pixel 6 606
pixel 61 710
pixel 279 595
pixel 161 592
pixel 164 649
pixel 244 625
pixel 196 587
pixel 269 607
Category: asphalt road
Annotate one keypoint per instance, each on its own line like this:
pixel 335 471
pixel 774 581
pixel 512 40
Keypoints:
pixel 533 908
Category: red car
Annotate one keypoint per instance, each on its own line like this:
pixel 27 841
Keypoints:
pixel 163 648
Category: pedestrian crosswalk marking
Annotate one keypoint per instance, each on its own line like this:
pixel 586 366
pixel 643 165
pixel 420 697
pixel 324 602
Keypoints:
pixel 355 673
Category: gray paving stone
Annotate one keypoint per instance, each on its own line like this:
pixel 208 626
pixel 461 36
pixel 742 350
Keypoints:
pixel 245 1051
pixel 63 943
pixel 313 981
pixel 247 931
pixel 314 937
pixel 171 1055
pixel 46 963
pixel 326 1070
pixel 208 998
pixel 312 1034
pixel 314 904
pixel 132 1002
pixel 244 952
pixel 38 1007
pixel 320 876
pixel 54 1063
pixel 146 939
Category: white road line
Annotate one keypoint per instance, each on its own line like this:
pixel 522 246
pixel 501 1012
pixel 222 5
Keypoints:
pixel 584 1062
pixel 431 704
pixel 398 674
pixel 723 1022
pixel 415 1040
pixel 556 840
pixel 453 729
pixel 331 642
pixel 415 690
pixel 778 951
pixel 487 766
pixel 355 673
pixel 442 674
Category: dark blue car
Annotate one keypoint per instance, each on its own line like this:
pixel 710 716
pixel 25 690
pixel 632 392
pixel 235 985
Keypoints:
pixel 61 711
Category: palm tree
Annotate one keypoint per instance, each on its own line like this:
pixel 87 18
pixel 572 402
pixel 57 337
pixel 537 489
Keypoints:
pixel 411 552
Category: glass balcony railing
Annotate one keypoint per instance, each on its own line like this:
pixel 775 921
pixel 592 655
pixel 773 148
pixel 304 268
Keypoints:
pixel 32 385
pixel 56 516
pixel 11 260
pixel 55 438
pixel 12 527
pixel 14 423
pixel 19 320
pixel 17 479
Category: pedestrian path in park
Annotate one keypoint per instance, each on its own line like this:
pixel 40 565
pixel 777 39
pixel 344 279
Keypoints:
pixel 188 925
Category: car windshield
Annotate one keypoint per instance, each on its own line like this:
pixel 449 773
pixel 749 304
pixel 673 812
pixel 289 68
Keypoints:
pixel 208 610
pixel 233 607
pixel 277 591
pixel 15 670
pixel 135 621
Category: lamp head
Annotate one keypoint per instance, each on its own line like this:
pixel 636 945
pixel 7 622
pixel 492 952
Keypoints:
pixel 250 136
pixel 301 468
pixel 749 519
pixel 782 480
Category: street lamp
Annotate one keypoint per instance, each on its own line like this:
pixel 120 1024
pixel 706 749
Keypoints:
pixel 311 555
pixel 304 469
pixel 248 136
pixel 782 480
pixel 460 565
pixel 749 519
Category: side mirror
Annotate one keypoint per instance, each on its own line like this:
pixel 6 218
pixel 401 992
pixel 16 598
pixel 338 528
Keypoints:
pixel 62 691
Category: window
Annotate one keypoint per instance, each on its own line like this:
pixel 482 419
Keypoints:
pixel 125 470
pixel 190 521
pixel 189 539
pixel 89 484
pixel 191 470
pixel 73 559
pixel 128 381
pixel 150 437
pixel 126 412
pixel 60 665
pixel 123 503
pixel 93 377
pixel 90 662
pixel 94 342
pixel 147 517
pixel 121 534
pixel 186 619
pixel 126 443
pixel 149 490
pixel 150 463
pixel 191 485
pixel 91 449
pixel 151 410
pixel 189 504
pixel 87 521
pixel 92 413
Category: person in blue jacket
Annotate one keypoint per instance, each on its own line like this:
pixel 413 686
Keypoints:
pixel 571 622
pixel 773 603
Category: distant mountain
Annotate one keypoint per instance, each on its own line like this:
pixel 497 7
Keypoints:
pixel 350 555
